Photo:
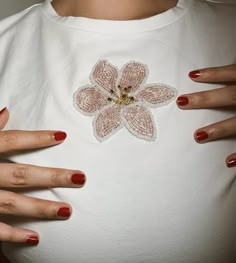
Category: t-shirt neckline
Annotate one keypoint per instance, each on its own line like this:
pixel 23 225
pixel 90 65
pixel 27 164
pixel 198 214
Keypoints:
pixel 119 26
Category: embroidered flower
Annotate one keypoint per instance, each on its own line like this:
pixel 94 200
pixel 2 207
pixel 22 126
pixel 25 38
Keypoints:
pixel 120 99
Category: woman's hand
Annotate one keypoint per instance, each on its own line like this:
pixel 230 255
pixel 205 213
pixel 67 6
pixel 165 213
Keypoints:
pixel 27 176
pixel 221 97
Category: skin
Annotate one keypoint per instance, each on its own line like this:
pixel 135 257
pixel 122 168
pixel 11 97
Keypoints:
pixel 223 97
pixel 17 204
pixel 112 9
pixel 29 176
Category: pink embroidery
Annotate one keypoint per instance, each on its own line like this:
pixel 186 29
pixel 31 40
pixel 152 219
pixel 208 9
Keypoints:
pixel 105 75
pixel 139 121
pixel 133 75
pixel 107 121
pixel 156 95
pixel 91 99
pixel 120 99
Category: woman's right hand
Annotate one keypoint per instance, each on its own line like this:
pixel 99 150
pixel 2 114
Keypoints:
pixel 26 176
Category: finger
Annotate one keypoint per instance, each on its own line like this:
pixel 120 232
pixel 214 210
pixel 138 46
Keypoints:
pixel 219 130
pixel 18 235
pixel 21 205
pixel 215 74
pixel 231 160
pixel 21 175
pixel 222 97
pixel 24 140
pixel 4 116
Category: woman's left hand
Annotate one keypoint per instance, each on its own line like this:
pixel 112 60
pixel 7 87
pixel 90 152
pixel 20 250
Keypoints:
pixel 221 97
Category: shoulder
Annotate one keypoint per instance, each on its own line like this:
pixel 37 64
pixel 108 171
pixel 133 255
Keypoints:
pixel 213 19
pixel 214 9
pixel 17 42
pixel 16 31
pixel 11 24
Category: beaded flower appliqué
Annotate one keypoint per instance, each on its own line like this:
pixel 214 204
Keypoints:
pixel 120 99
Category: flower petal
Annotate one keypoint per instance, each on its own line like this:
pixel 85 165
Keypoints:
pixel 89 100
pixel 133 74
pixel 107 122
pixel 157 95
pixel 139 121
pixel 105 75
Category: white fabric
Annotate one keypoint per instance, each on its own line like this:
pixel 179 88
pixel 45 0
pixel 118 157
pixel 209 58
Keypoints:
pixel 167 201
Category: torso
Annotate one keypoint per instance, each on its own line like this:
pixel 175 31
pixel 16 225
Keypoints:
pixel 164 200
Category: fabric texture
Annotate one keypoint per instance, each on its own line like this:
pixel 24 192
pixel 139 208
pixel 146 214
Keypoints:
pixel 152 193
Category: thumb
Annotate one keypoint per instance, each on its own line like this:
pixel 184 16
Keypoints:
pixel 4 116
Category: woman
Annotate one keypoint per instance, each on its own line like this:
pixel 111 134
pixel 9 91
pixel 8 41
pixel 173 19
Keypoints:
pixel 153 194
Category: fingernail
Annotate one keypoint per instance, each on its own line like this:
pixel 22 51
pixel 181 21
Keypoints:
pixel 231 163
pixel 32 240
pixel 78 179
pixel 64 212
pixel 60 136
pixel 201 136
pixel 195 74
pixel 182 101
pixel 3 110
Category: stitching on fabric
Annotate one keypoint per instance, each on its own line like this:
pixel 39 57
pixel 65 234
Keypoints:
pixel 120 98
pixel 110 33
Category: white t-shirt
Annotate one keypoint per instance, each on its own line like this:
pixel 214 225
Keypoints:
pixel 152 193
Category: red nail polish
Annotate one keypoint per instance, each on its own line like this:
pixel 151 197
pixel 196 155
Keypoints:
pixel 78 179
pixel 3 110
pixel 195 74
pixel 183 101
pixel 32 240
pixel 201 136
pixel 231 163
pixel 64 212
pixel 60 136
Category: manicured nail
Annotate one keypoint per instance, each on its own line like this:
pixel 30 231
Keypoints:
pixel 231 163
pixel 64 212
pixel 182 101
pixel 32 240
pixel 78 179
pixel 3 110
pixel 60 136
pixel 195 74
pixel 201 136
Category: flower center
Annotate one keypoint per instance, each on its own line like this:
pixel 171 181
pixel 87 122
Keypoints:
pixel 122 97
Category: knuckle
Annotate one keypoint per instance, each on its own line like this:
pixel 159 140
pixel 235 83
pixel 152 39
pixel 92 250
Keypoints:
pixel 8 205
pixel 45 209
pixel 9 140
pixel 41 208
pixel 202 99
pixel 43 138
pixel 39 138
pixel 209 73
pixel 217 131
pixel 19 176
pixel 42 213
pixel 54 177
